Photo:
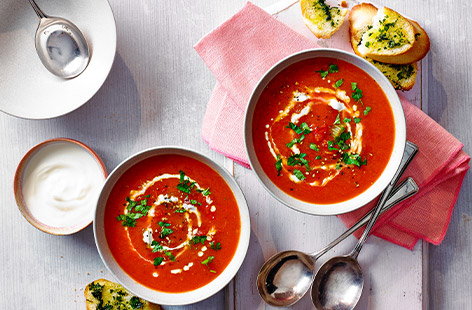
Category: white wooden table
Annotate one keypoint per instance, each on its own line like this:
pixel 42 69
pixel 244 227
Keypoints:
pixel 158 76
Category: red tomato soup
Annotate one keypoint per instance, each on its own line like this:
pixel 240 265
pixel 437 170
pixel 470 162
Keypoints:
pixel 323 130
pixel 172 223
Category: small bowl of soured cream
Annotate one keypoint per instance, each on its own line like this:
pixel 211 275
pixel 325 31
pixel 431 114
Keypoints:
pixel 57 184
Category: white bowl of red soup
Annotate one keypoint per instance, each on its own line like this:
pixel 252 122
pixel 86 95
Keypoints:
pixel 325 131
pixel 172 225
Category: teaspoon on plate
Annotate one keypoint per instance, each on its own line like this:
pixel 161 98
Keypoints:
pixel 339 282
pixel 60 45
pixel 286 277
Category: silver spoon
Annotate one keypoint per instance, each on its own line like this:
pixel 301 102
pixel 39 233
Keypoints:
pixel 339 282
pixel 286 277
pixel 60 45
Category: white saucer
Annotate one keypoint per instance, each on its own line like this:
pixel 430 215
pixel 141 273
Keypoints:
pixel 28 89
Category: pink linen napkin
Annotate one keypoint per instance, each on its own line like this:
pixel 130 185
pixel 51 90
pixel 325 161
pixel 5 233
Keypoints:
pixel 242 49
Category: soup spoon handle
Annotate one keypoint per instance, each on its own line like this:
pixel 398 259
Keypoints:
pixel 36 8
pixel 402 192
pixel 409 153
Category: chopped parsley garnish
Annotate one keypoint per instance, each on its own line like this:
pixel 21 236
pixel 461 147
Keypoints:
pixel 136 303
pixel 185 185
pixel 212 271
pixel 194 202
pixel 356 92
pixel 357 120
pixel 323 73
pixel 354 159
pixel 141 209
pixel 198 239
pixel 333 69
pixel 181 210
pixel 314 147
pixel 158 261
pixel 278 164
pixel 165 230
pixel 156 246
pixel 299 174
pixel 367 110
pixel 318 157
pixel 302 129
pixel 339 83
pixel 170 255
pixel 347 120
pixel 205 192
pixel 215 246
pixel 331 146
pixel 208 260
pixel 295 141
pixel 298 159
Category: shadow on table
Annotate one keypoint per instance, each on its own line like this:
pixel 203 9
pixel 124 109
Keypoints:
pixel 110 121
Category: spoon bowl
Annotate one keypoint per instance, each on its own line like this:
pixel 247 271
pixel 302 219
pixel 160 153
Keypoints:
pixel 286 277
pixel 340 285
pixel 61 46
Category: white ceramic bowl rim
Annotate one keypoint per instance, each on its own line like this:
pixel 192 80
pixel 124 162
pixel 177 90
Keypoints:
pixel 399 145
pixel 148 293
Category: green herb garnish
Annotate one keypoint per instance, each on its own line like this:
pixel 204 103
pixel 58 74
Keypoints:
pixel 158 261
pixel 333 69
pixel 165 230
pixel 357 120
pixel 302 129
pixel 337 121
pixel 323 73
pixel 185 185
pixel 208 260
pixel 299 174
pixel 356 92
pixel 354 159
pixel 347 120
pixel 156 246
pixel 314 147
pixel 198 239
pixel 339 83
pixel 205 192
pixel 298 159
pixel 295 141
pixel 278 164
pixel 215 246
pixel 367 110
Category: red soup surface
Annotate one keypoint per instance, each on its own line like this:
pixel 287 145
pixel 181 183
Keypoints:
pixel 172 223
pixel 323 130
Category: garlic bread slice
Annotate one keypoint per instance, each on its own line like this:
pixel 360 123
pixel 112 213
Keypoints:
pixel 402 77
pixel 389 35
pixel 323 20
pixel 106 295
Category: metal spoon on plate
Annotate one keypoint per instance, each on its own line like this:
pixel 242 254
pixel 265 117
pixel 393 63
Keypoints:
pixel 60 45
pixel 339 282
pixel 286 277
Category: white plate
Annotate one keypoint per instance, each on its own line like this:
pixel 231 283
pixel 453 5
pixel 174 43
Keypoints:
pixel 28 89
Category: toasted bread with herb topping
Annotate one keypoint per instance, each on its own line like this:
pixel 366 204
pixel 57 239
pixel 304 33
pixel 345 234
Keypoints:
pixel 386 36
pixel 402 77
pixel 106 295
pixel 322 19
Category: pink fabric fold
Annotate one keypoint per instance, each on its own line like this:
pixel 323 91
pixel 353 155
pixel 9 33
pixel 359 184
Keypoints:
pixel 243 48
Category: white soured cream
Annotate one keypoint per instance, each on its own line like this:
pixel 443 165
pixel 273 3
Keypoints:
pixel 61 184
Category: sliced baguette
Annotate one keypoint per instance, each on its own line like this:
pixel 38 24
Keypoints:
pixel 390 36
pixel 103 294
pixel 322 19
pixel 402 77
